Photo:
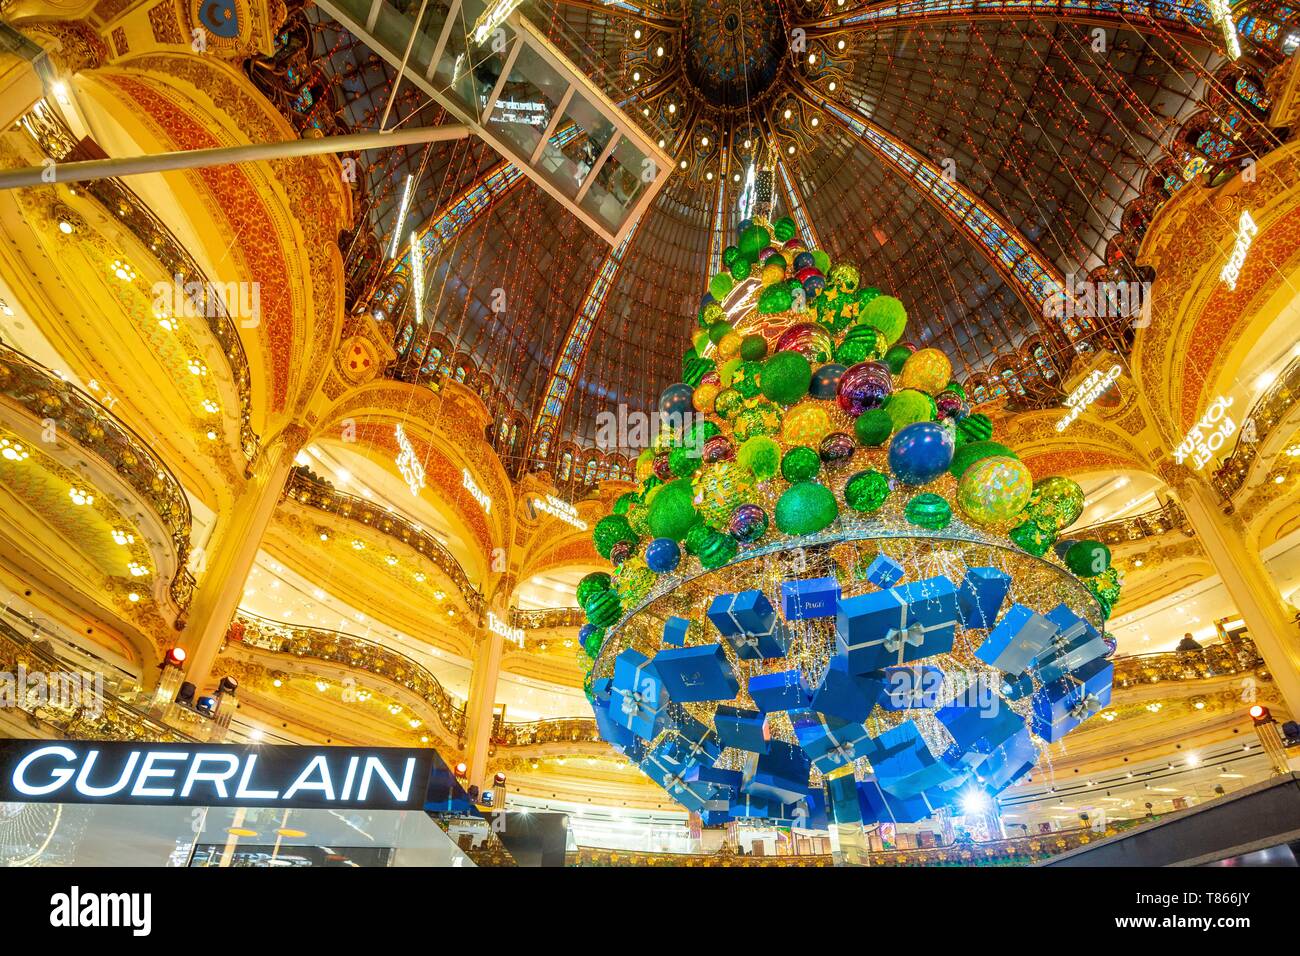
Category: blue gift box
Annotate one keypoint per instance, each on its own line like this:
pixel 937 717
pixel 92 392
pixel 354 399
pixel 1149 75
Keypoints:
pixel 667 765
pixel 830 743
pixel 978 731
pixel 1016 687
pixel 1017 640
pixel 748 806
pixel 1065 703
pixel 716 777
pixel 715 818
pixel 845 695
pixel 809 598
pixel 695 741
pixel 809 813
pixel 757 647
pixel 613 733
pixel 675 631
pixel 637 697
pixel 780 775
pixel 784 690
pixel 843 800
pixel 981 595
pixel 696 673
pixel 884 571
pixel 1075 644
pixel 746 612
pixel 1008 762
pixel 904 765
pixel 742 729
pixel 901 624
pixel 881 806
pixel 911 687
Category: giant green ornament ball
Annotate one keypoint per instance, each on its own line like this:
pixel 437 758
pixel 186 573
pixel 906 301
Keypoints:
pixel 592 584
pixel 638 517
pixel 721 285
pixel 711 313
pixel 633 580
pixel 728 404
pixel 609 531
pixel 822 261
pixel 729 255
pixel 1031 538
pixel 1088 558
pixel 753 241
pixel 1105 587
pixel 860 343
pixel 896 357
pixel 753 348
pixel 873 427
pixel 623 502
pixel 718 329
pixel 717 550
pixel 908 406
pixel 672 513
pixel 696 538
pixel 784 229
pixel 968 454
pixel 747 378
pixel 740 269
pixel 761 455
pixel 805 508
pixel 928 511
pixel 763 418
pixel 1056 503
pixel 786 377
pixel 683 461
pixel 604 609
pixel 994 489
pixel 866 491
pixel 844 277
pixel 800 464
pixel 593 643
pixel 774 299
pixel 887 316
pixel 972 428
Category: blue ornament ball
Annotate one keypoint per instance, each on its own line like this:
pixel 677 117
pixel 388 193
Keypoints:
pixel 920 453
pixel 707 299
pixel 1064 545
pixel 813 285
pixel 1112 645
pixel 662 555
pixel 826 381
pixel 676 399
pixel 585 632
pixel 804 260
pixel 743 225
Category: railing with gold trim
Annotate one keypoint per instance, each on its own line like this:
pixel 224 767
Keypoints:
pixel 336 647
pixel 57 141
pixel 547 617
pixel 1237 656
pixel 561 730
pixel 1265 415
pixel 1148 524
pixel 47 396
pixel 324 497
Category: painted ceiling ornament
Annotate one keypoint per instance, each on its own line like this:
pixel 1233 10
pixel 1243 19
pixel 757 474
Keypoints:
pixel 749 662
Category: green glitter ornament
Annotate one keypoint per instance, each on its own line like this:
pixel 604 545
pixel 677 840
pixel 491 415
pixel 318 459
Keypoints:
pixel 896 357
pixel 822 261
pixel 747 378
pixel 886 315
pixel 696 538
pixel 784 229
pixel 786 377
pixel 1088 558
pixel 763 418
pixel 753 348
pixel 718 550
pixel 729 255
pixel 971 452
pixel 694 368
pixel 866 491
pixel 623 502
pixel 593 643
pixel 860 344
pixel 597 582
pixel 717 330
pixel 720 285
pixel 638 518
pixel 974 428
pixel 683 461
pixel 739 269
pixel 604 609
pixel 774 299
pixel 728 404
pixel 1106 588
pixel 753 241
pixel 1031 538
pixel 761 455
pixel 805 508
pixel 672 513
pixel 907 406
pixel 873 427
pixel 609 531
pixel 928 511
pixel 800 464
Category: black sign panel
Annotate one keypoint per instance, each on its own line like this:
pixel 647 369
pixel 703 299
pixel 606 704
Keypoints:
pixel 371 778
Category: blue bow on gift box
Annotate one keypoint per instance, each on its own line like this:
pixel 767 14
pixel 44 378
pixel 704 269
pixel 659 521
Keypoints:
pixel 897 625
pixel 637 697
pixel 831 743
pixel 698 673
pixel 1065 703
pixel 747 621
pixel 1016 640
pixel 1075 644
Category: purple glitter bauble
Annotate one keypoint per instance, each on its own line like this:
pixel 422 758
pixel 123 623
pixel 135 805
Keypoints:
pixel 718 448
pixel 836 448
pixel 663 470
pixel 621 551
pixel 1111 644
pixel 948 405
pixel 813 285
pixel 864 386
pixel 747 523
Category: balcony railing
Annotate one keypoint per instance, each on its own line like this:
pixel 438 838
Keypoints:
pixel 1218 660
pixel 321 495
pixel 563 730
pixel 1162 520
pixel 47 396
pixel 547 617
pixel 105 716
pixel 54 138
pixel 1265 415
pixel 348 650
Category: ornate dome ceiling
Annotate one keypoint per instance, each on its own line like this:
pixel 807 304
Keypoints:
pixel 960 159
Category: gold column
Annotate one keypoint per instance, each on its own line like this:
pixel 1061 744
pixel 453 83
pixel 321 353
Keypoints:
pixel 1269 619
pixel 480 708
pixel 232 550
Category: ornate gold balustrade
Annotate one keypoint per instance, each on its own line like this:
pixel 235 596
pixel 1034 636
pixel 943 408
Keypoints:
pixel 563 730
pixel 73 715
pixel 324 497
pixel 1016 851
pixel 335 647
pixel 1217 660
pixel 54 139
pixel 547 617
pixel 1148 524
pixel 47 396
pixel 1264 416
